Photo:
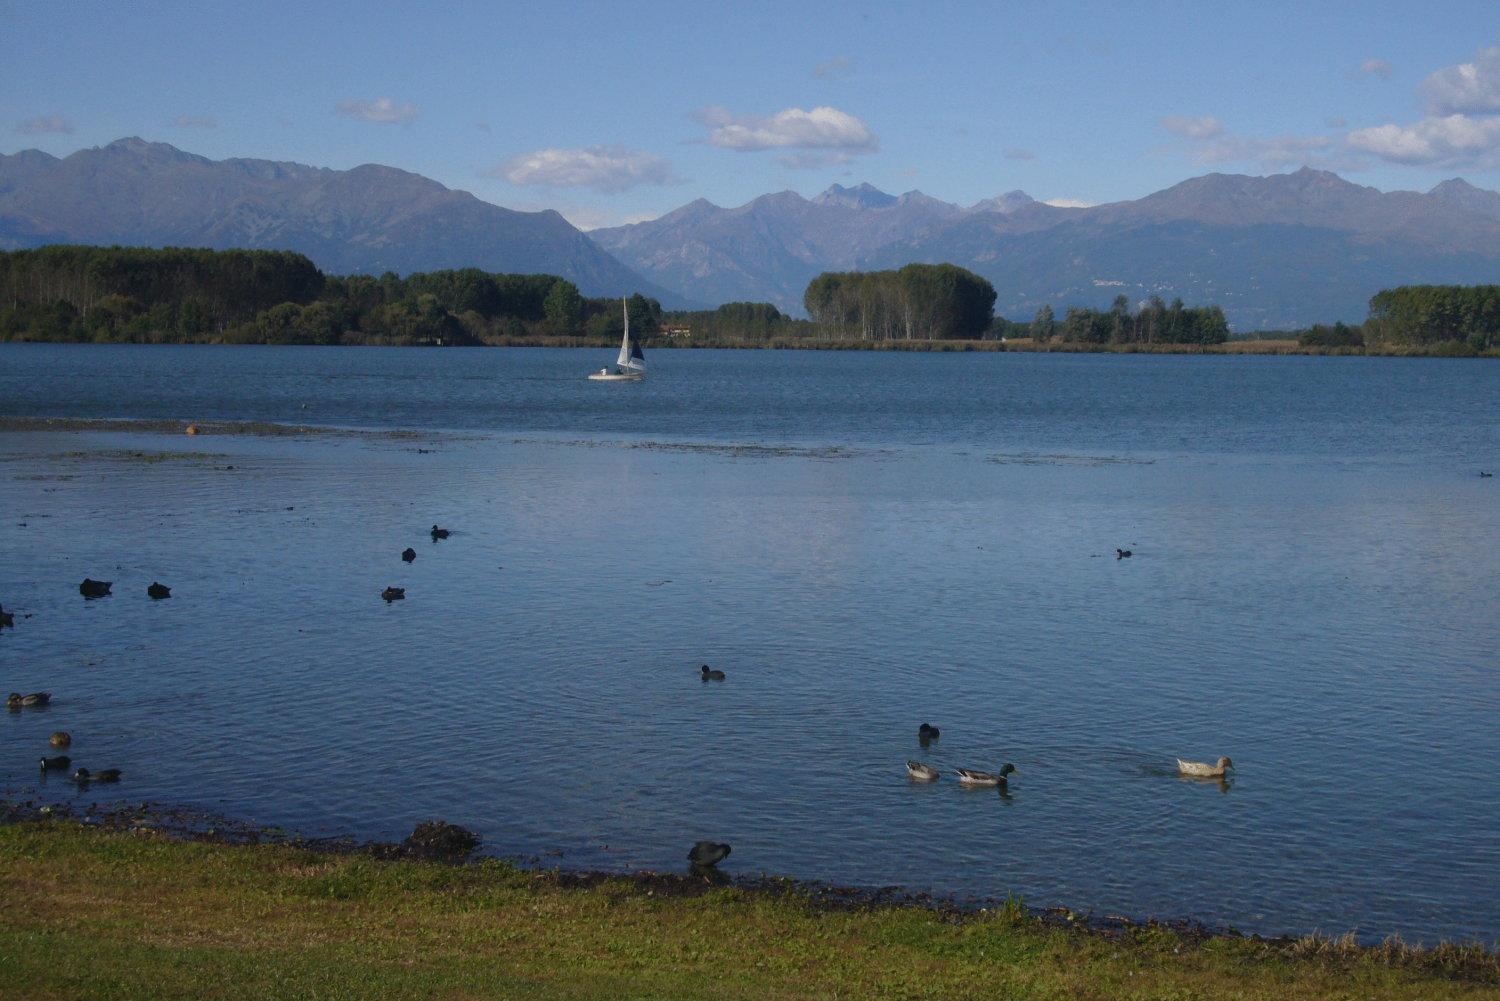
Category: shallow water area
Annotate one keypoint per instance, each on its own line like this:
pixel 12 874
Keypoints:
pixel 862 542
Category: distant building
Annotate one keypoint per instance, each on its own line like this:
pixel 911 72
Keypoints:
pixel 672 330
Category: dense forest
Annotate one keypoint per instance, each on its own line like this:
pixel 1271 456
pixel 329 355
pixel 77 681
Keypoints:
pixel 1468 315
pixel 735 323
pixel 918 302
pixel 120 294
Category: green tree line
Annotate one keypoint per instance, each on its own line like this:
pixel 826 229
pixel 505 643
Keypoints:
pixel 1466 316
pixel 1154 322
pixel 918 302
pixel 128 294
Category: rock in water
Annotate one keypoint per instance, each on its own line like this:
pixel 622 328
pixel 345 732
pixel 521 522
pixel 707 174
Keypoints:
pixel 60 739
pixel 708 853
pixel 438 839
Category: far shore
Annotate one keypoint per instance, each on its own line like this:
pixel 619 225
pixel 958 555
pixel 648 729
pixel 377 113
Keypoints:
pixel 1446 349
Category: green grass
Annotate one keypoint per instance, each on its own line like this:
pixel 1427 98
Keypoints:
pixel 93 914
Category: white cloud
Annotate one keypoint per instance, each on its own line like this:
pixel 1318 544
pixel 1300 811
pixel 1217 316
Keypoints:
pixel 1204 127
pixel 811 160
pixel 195 122
pixel 1275 152
pixel 1468 88
pixel 603 168
pixel 834 68
pixel 1376 67
pixel 820 128
pixel 1069 203
pixel 383 110
pixel 1017 153
pixel 1451 140
pixel 44 125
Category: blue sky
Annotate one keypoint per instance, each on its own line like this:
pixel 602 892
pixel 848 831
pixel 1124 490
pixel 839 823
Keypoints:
pixel 615 111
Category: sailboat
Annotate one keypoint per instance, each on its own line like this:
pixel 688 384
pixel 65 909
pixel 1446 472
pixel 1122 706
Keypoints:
pixel 631 365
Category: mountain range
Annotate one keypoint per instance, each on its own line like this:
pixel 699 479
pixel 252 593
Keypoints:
pixel 367 220
pixel 1280 251
pixel 1285 250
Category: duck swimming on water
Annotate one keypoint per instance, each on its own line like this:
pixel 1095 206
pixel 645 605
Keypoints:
pixel 439 533
pixel 58 762
pixel 6 619
pixel 1200 770
pixel 711 674
pixel 83 775
pixel 157 591
pixel 920 772
pixel 393 594
pixel 1122 554
pixel 15 700
pixel 60 739
pixel 970 777
pixel 928 732
pixel 91 588
pixel 408 554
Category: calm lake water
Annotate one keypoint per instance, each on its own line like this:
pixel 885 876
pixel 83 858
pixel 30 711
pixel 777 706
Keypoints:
pixel 863 542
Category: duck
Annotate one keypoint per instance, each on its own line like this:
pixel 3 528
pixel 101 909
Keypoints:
pixel 16 700
pixel 1122 554
pixel 928 732
pixel 1484 475
pixel 157 591
pixel 57 763
pixel 970 777
pixel 1200 770
pixel 710 674
pixel 107 775
pixel 408 554
pixel 393 594
pixel 708 853
pixel 439 533
pixel 61 738
pixel 920 772
pixel 6 619
pixel 91 588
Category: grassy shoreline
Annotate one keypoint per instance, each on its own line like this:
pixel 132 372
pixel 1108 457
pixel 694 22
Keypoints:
pixel 133 913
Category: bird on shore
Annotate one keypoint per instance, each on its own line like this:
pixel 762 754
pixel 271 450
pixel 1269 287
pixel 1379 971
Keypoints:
pixel 393 594
pixel 60 739
pixel 83 775
pixel 6 619
pixel 1201 770
pixel 157 591
pixel 439 533
pixel 1122 554
pixel 57 763
pixel 928 732
pixel 920 772
pixel 15 700
pixel 970 777
pixel 408 554
pixel 710 674
pixel 708 853
pixel 91 588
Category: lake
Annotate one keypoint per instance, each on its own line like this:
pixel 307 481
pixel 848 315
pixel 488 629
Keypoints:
pixel 863 542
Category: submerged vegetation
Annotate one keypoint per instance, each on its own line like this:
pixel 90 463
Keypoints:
pixel 130 914
pixel 177 295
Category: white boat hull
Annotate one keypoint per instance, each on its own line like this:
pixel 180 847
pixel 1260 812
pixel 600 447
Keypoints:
pixel 621 377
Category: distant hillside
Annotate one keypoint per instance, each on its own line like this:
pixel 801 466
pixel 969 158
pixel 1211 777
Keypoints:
pixel 367 220
pixel 1281 251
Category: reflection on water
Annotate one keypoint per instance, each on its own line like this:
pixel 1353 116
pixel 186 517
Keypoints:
pixel 1310 591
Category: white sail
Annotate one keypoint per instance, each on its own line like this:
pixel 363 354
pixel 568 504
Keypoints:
pixel 632 358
